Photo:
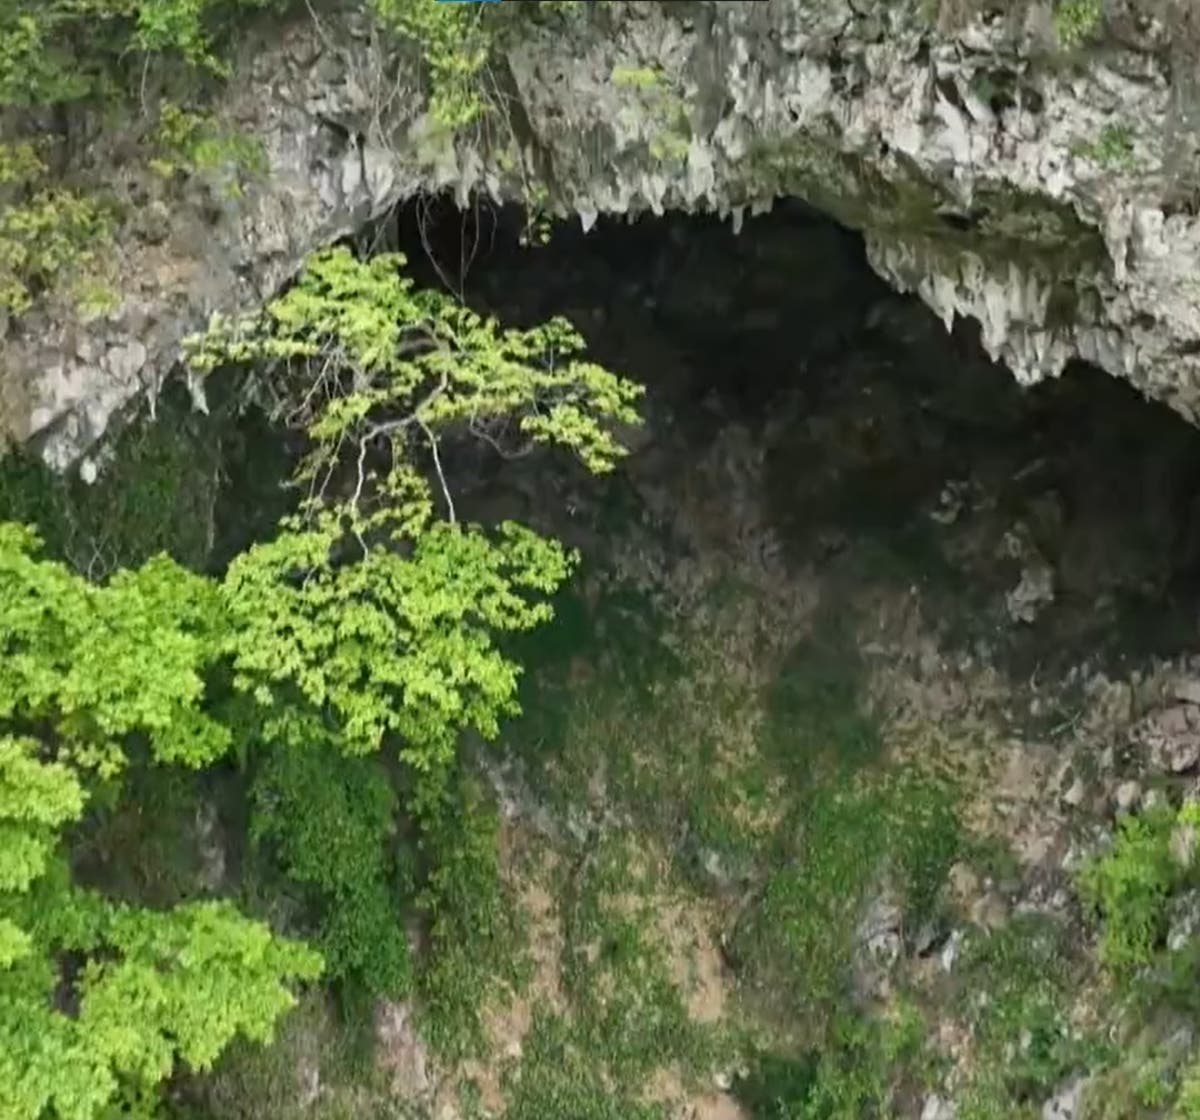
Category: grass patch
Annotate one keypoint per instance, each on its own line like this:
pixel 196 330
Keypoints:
pixel 844 844
pixel 1017 984
pixel 856 1076
pixel 475 945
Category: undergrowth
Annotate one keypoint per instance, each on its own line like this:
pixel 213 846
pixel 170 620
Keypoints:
pixel 842 846
pixel 1017 985
pixel 156 493
pixel 1131 886
pixel 854 1077
pixel 475 946
pixel 330 822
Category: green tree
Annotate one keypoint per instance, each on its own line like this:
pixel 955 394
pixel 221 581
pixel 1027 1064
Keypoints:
pixel 368 612
pixel 368 620
pixel 99 999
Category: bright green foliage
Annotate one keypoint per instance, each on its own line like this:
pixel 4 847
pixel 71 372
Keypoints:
pixel 36 799
pixel 425 359
pixel 158 987
pixel 1187 1107
pixel 390 644
pixel 55 52
pixel 398 640
pixel 330 819
pixel 93 664
pixel 456 45
pixel 1131 885
pixel 87 667
pixel 366 620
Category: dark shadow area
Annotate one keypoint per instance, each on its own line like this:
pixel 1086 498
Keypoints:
pixel 1048 522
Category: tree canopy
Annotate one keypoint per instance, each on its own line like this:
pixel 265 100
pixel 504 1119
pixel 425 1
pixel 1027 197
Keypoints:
pixel 368 621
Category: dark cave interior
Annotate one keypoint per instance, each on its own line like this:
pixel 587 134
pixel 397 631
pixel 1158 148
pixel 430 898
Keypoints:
pixel 885 435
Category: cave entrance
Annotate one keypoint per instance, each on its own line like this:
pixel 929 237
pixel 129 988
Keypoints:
pixel 1040 524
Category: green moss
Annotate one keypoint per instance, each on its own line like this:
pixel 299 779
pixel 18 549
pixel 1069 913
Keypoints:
pixel 1006 225
pixel 1112 148
pixel 1076 21
pixel 816 722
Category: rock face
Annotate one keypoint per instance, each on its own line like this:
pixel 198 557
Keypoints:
pixel 1002 177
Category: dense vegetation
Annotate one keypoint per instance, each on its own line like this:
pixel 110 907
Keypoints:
pixel 319 683
pixel 367 622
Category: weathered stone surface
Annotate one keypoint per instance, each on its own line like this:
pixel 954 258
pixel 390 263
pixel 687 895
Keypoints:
pixel 970 157
pixel 1172 738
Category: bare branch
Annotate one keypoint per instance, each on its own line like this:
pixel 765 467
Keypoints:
pixel 494 443
pixel 437 465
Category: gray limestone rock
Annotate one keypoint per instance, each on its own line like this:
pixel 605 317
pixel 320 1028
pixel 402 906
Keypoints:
pixel 1041 200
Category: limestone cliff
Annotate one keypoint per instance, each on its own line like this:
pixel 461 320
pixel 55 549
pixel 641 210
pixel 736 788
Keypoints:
pixel 1040 190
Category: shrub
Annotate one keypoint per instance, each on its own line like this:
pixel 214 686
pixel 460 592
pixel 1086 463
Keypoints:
pixel 330 820
pixel 1131 885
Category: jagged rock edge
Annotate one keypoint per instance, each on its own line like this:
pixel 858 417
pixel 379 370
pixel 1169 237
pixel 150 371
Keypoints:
pixel 861 109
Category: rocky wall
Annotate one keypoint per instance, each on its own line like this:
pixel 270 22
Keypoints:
pixel 997 175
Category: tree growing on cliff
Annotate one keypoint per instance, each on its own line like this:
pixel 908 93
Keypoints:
pixel 368 621
pixel 369 606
